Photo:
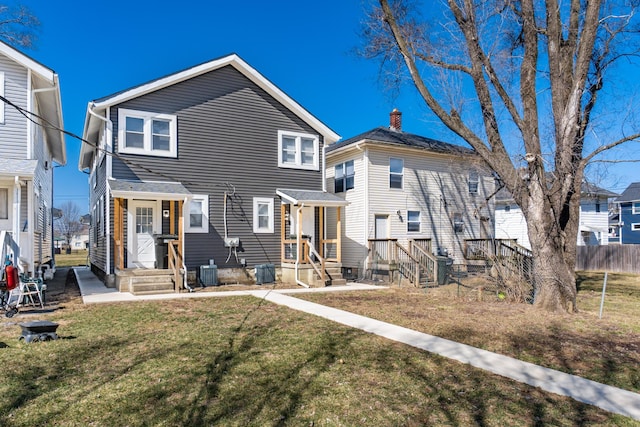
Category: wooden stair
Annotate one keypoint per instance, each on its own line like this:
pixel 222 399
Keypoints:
pixel 151 282
pixel 333 276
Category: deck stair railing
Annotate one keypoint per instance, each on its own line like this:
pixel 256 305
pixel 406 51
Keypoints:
pixel 415 263
pixel 317 262
pixel 176 264
pixel 507 252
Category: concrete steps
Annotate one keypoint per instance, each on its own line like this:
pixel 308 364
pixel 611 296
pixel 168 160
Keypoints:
pixel 147 281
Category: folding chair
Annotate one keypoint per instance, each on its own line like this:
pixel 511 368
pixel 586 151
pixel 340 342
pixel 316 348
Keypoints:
pixel 30 291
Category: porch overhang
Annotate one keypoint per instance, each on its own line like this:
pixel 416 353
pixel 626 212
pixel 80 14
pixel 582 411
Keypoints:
pixel 311 198
pixel 21 168
pixel 593 228
pixel 148 190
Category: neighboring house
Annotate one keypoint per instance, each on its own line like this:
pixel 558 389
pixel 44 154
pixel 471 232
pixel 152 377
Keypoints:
pixel 626 228
pixel 29 146
pixel 81 240
pixel 593 222
pixel 410 188
pixel 203 161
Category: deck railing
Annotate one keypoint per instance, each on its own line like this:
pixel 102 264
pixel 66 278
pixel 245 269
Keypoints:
pixel 176 264
pixel 415 263
pixel 426 260
pixel 507 252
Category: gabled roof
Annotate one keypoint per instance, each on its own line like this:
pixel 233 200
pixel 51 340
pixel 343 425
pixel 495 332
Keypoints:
pixel 586 189
pixel 47 91
pixel 99 106
pixel 631 194
pixel 404 139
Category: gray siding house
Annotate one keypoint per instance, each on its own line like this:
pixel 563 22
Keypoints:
pixel 28 151
pixel 210 165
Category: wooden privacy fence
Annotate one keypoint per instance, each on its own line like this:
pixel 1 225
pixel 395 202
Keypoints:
pixel 612 258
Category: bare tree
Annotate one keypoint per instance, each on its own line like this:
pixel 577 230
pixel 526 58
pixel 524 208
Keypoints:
pixel 68 224
pixel 17 25
pixel 525 80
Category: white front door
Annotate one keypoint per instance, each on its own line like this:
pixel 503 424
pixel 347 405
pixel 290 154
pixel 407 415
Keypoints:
pixel 308 223
pixel 143 224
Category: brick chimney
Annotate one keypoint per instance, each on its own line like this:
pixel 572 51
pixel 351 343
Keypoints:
pixel 395 120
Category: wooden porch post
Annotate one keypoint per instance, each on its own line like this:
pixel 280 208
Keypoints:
pixel 283 213
pixel 172 216
pixel 180 228
pixel 118 232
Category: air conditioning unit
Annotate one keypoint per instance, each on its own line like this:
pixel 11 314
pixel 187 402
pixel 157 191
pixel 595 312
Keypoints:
pixel 265 273
pixel 209 275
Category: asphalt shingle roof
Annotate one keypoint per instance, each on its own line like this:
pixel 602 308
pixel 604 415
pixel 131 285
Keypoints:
pixel 386 135
pixel 631 194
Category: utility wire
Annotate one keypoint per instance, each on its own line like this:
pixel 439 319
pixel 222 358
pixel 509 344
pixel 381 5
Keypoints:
pixel 47 124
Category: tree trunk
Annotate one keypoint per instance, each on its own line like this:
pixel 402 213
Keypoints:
pixel 553 273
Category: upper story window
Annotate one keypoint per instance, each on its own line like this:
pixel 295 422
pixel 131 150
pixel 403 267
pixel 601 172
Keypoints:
pixel 197 209
pixel 635 208
pixel 151 134
pixel 473 182
pixel 263 215
pixel 344 177
pixel 396 172
pixel 598 205
pixel 413 221
pixel 298 150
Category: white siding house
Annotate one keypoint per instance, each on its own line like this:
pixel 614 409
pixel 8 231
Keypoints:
pixel 593 226
pixel 28 150
pixel 407 187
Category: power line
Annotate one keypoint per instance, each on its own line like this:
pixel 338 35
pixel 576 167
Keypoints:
pixel 27 114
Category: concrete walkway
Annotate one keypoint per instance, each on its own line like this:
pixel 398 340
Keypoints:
pixel 609 398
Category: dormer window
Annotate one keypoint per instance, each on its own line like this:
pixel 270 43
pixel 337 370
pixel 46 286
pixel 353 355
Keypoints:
pixel 151 134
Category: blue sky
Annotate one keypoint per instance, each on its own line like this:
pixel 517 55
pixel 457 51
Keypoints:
pixel 305 48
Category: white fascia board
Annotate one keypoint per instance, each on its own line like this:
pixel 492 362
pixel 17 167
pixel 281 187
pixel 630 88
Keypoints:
pixel 27 62
pixel 244 68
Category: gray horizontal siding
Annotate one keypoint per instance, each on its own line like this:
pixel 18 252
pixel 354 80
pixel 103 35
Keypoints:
pixel 13 133
pixel 227 133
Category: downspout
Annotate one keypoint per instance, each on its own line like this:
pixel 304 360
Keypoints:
pixel 324 168
pixel 299 244
pixel 182 239
pixel 107 196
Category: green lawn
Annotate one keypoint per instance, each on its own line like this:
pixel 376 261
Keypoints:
pixel 240 361
pixel 75 258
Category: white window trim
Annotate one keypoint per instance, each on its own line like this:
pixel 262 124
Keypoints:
pixel 205 212
pixel 298 163
pixel 419 222
pixel 635 226
pixel 147 117
pixel 473 179
pixel 635 211
pixel 401 174
pixel 263 200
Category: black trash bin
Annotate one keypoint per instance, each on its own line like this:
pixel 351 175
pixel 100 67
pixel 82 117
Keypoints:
pixel 162 250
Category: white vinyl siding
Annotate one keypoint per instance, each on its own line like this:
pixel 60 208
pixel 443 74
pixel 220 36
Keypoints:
pixel 13 138
pixel 2 104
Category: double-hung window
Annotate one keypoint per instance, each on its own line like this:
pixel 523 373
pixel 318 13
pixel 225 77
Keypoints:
pixel 262 215
pixel 344 177
pixel 197 214
pixel 147 133
pixel 473 182
pixel 298 150
pixel 413 221
pixel 635 208
pixel 396 172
